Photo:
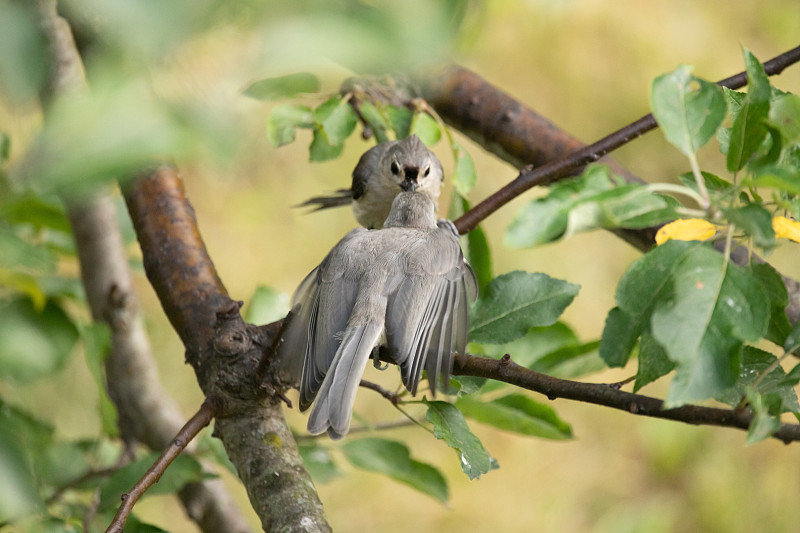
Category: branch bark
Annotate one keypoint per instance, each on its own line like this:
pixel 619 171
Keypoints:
pixel 146 412
pixel 226 353
pixel 508 371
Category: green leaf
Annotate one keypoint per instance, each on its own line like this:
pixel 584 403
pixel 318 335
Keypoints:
pixel 518 414
pixel 776 177
pixel 688 110
pixel 393 459
pixel 336 120
pixel 784 115
pixel 772 387
pixel 426 128
pixel 5 148
pixel 35 342
pixel 96 342
pixel 775 290
pixel 19 254
pixel 749 129
pixel 571 362
pixel 755 221
pixel 465 175
pixel 764 423
pixel 517 301
pixel 321 149
pixel 38 211
pixel 653 362
pixel 619 336
pixel 714 184
pixel 184 469
pixel 283 121
pixel 23 52
pixel 400 119
pixel 375 119
pixel 702 320
pixel 643 282
pixel 449 425
pixel 554 350
pixel 18 494
pixel 283 86
pixel 792 342
pixel 266 305
pixel 319 462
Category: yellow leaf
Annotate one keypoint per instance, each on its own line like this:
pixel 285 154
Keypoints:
pixel 688 229
pixel 786 228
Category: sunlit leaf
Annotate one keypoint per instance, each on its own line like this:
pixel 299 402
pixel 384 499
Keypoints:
pixel 426 128
pixel 283 121
pixel 465 175
pixel 786 228
pixel 687 229
pixel 266 305
pixel 283 86
pixel 688 109
pixel 336 120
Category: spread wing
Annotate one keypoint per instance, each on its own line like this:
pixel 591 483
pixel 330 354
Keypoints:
pixel 427 317
pixel 321 307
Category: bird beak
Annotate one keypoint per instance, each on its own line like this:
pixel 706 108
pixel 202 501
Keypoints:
pixel 410 183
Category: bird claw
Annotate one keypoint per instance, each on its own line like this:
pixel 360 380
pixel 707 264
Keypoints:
pixel 376 360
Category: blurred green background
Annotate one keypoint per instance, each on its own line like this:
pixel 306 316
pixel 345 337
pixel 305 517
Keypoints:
pixel 587 66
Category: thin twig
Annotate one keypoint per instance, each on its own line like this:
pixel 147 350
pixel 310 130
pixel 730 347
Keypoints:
pixel 562 168
pixel 507 371
pixel 188 432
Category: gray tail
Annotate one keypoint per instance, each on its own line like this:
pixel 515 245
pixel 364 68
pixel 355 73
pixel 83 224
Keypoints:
pixel 339 198
pixel 333 407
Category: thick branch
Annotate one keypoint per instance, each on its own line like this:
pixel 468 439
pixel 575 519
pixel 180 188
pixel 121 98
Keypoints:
pixel 225 353
pixel 507 371
pixel 575 161
pixel 146 412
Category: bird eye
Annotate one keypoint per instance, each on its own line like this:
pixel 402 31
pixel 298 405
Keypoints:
pixel 427 171
pixel 395 168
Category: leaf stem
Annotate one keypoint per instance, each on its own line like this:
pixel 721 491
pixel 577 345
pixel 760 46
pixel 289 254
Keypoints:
pixel 677 189
pixel 701 182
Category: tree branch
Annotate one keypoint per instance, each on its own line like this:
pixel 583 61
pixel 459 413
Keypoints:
pixel 574 162
pixel 508 371
pixel 187 433
pixel 226 354
pixel 146 412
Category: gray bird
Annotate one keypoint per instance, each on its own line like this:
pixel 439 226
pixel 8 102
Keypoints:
pixel 379 176
pixel 407 283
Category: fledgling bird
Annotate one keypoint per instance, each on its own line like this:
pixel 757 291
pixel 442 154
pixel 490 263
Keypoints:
pixel 408 282
pixel 378 178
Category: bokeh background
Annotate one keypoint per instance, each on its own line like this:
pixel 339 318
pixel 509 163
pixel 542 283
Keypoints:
pixel 587 66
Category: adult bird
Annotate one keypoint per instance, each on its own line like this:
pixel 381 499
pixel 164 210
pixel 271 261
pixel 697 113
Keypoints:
pixel 378 178
pixel 407 283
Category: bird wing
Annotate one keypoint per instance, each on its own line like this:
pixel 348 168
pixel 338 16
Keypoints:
pixel 321 307
pixel 427 316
